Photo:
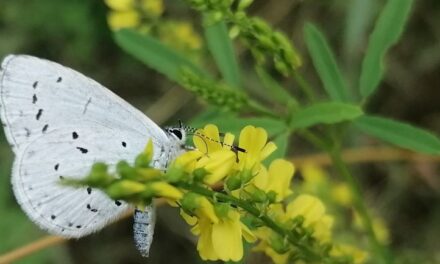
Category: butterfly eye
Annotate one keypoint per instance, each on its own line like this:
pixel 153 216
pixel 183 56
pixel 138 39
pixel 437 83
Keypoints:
pixel 177 133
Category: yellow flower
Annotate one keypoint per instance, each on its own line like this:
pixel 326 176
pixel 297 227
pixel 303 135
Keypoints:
pixel 277 179
pixel 181 36
pixel 120 5
pixel 358 256
pixel 379 227
pixel 341 193
pixel 254 141
pixel 165 190
pixel 153 7
pixel 223 240
pixel 203 209
pixel 315 178
pixel 207 140
pixel 220 238
pixel 264 234
pixel 308 206
pixel 218 165
pixel 123 19
pixel 187 161
pixel 313 211
pixel 185 32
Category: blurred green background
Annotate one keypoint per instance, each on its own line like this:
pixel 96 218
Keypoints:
pixel 75 33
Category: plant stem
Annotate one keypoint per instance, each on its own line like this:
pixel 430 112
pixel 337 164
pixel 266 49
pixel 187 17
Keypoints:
pixel 257 213
pixel 258 108
pixel 377 248
pixel 305 86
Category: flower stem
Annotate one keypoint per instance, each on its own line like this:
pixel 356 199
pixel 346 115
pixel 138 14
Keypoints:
pixel 258 108
pixel 359 203
pixel 304 86
pixel 311 255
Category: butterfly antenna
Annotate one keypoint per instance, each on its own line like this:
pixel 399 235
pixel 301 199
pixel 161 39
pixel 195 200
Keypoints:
pixel 193 131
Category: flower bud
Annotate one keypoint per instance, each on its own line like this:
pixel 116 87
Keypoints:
pixel 233 182
pixel 124 188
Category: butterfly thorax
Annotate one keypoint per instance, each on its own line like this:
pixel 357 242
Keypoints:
pixel 174 147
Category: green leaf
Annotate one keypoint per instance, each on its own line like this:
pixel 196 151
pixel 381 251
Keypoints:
pixel 325 113
pixel 154 54
pixel 400 134
pixel 220 46
pixel 387 31
pixel 325 63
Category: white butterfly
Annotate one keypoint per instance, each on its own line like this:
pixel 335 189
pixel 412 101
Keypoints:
pixel 59 123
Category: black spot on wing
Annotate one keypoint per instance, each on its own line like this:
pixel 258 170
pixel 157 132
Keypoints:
pixel 89 190
pixel 46 126
pixel 78 226
pixel 53 217
pixel 94 210
pixel 59 79
pixel 39 113
pixel 56 166
pixel 83 150
pixel 28 132
pixel 118 203
pixel 74 135
pixel 34 98
pixel 35 84
pixel 124 144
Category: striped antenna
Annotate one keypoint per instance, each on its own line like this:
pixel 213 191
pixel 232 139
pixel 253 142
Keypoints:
pixel 191 130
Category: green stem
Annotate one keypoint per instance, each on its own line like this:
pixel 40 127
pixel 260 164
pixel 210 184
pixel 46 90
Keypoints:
pixel 332 146
pixel 359 203
pixel 257 213
pixel 257 107
pixel 305 86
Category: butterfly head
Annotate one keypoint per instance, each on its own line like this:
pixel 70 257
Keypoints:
pixel 177 134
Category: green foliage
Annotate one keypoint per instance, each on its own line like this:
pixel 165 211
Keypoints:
pixel 217 94
pixel 325 64
pixel 273 89
pixel 220 45
pixel 154 54
pixel 400 134
pixel 283 110
pixel 325 113
pixel 262 40
pixel 387 31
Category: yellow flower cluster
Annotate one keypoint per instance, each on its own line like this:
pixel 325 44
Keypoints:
pixel 228 195
pixel 129 13
pixel 146 17
pixel 216 160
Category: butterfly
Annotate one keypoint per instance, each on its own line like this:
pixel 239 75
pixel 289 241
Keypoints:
pixel 60 122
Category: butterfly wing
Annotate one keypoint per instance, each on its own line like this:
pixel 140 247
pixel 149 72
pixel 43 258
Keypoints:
pixel 59 123
pixel 38 96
